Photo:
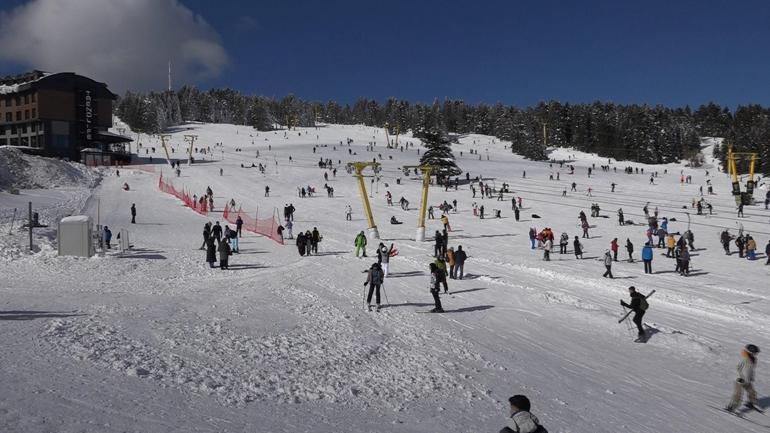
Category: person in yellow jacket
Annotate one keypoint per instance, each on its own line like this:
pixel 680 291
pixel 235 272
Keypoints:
pixel 450 258
pixel 670 244
pixel 445 221
pixel 751 248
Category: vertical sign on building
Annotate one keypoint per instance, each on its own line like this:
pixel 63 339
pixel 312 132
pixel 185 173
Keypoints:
pixel 86 114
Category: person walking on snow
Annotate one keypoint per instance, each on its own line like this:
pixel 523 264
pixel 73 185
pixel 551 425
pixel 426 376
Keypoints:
pixel 767 253
pixel 521 420
pixel 224 254
pixel 239 226
pixel 450 260
pixel 647 258
pixel 578 248
pixel 460 257
pixel 563 242
pixel 745 380
pixel 608 264
pixel 434 288
pixel 360 243
pixel 445 221
pixel 547 245
pixel 374 279
pixel 441 265
pixel 439 244
pixel 614 247
pixel 133 213
pixel 638 306
pixel 532 236
pixel 384 253
pixel 348 213
pixel 211 251
pixel 630 249
pixel 206 235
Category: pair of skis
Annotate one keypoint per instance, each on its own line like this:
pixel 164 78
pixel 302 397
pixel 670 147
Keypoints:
pixel 642 339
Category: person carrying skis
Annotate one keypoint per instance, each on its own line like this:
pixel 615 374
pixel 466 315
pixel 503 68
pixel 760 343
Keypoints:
pixel 608 264
pixel 434 287
pixel 647 258
pixel 578 247
pixel 360 243
pixel 639 306
pixel 374 279
pixel 521 420
pixel 614 247
pixel 745 380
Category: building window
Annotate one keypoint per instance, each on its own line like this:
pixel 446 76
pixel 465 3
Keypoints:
pixel 2 129
pixel 24 141
pixel 3 142
pixel 24 128
pixel 13 129
pixel 18 116
pixel 18 101
pixel 8 102
pixel 34 127
pixel 33 141
pixel 9 117
pixel 34 97
pixel 26 99
pixel 34 113
pixel 26 114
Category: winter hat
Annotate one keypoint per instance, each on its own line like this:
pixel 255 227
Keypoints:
pixel 519 401
pixel 752 349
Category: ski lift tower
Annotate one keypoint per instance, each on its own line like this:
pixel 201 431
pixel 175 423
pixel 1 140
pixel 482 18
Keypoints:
pixel 426 170
pixel 747 197
pixel 191 139
pixel 163 139
pixel 359 167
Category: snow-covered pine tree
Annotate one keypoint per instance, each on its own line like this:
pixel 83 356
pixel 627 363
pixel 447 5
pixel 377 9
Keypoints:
pixel 438 153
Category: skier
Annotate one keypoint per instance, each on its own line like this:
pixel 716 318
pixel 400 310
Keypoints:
pixel 647 258
pixel 441 266
pixel 630 249
pixel 521 421
pixel 374 279
pixel 107 237
pixel 460 256
pixel 608 264
pixel 639 306
pixel 745 380
pixel 360 243
pixel 614 247
pixel 224 254
pixel 133 213
pixel 445 222
pixel 434 289
pixel 578 247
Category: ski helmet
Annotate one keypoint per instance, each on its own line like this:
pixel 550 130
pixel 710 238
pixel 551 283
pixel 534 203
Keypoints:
pixel 752 349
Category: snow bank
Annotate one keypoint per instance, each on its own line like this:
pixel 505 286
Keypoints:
pixel 21 171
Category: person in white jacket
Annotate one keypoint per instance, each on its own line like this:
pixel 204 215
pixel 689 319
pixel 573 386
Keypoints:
pixel 745 380
pixel 521 421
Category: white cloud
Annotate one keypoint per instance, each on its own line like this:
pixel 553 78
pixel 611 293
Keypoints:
pixel 125 43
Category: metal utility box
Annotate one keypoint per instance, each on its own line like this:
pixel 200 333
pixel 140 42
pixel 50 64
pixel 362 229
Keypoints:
pixel 75 236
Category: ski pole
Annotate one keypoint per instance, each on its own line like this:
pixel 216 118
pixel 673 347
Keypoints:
pixel 384 293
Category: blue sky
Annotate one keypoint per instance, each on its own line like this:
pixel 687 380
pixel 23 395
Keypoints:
pixel 514 52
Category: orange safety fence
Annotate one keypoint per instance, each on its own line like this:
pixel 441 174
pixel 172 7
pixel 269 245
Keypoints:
pixel 183 195
pixel 267 227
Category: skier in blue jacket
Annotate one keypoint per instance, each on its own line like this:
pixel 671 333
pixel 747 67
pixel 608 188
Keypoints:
pixel 647 258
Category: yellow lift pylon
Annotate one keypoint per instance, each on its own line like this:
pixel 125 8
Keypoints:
pixel 732 168
pixel 359 168
pixel 426 170
pixel 163 139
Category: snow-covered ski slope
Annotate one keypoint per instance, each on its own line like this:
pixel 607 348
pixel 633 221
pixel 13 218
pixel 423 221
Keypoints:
pixel 155 341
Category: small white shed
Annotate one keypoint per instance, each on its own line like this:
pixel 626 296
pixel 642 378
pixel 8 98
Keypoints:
pixel 75 236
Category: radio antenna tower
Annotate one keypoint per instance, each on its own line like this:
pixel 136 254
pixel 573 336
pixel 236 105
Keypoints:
pixel 169 75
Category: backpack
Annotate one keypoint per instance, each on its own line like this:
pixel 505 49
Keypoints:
pixel 376 276
pixel 643 305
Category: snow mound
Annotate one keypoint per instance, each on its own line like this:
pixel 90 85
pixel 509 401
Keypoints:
pixel 21 171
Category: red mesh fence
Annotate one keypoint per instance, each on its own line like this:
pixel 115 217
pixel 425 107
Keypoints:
pixel 183 195
pixel 267 227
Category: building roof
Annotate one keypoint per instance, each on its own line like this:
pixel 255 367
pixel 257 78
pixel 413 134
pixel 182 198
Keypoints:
pixel 59 80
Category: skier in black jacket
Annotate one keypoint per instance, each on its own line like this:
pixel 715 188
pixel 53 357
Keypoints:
pixel 439 246
pixel 636 307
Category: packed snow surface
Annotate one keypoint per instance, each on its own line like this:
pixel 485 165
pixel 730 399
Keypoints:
pixel 155 341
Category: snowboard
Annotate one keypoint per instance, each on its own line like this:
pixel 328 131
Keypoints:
pixel 741 413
